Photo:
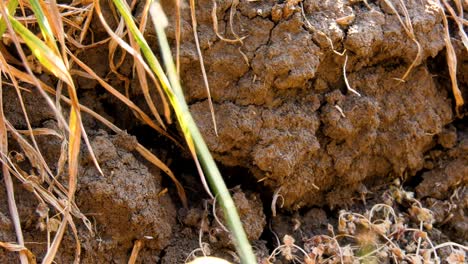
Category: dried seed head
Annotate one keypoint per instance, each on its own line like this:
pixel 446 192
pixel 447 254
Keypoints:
pixel 309 260
pixel 420 234
pixel 53 224
pixel 423 215
pixel 381 228
pixel 341 225
pixel 41 225
pixel 288 240
pixel 398 253
pixel 456 257
pixel 351 228
pixel 346 20
pixel 42 209
pixel 367 238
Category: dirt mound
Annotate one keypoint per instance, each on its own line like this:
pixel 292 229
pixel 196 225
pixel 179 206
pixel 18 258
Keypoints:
pixel 125 204
pixel 283 106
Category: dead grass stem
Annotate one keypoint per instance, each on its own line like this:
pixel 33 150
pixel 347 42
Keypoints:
pixel 408 27
pixel 202 63
pixel 451 61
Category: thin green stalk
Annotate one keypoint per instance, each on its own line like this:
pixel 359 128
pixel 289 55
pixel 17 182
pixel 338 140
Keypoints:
pixel 209 166
pixel 171 86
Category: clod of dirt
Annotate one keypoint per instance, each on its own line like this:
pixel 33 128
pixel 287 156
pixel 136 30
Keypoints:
pixel 387 130
pixel 125 201
pixel 250 211
pixel 313 222
pixel 185 240
pixel 284 114
pixel 214 240
pixel 448 137
pixel 285 69
pixel 451 171
pixel 444 188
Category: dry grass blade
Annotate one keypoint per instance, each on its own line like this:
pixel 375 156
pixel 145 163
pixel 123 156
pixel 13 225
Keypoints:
pixel 158 163
pixel 7 177
pixel 452 63
pixel 143 80
pixel 116 64
pixel 89 17
pixel 140 63
pixel 48 55
pixel 143 22
pixel 137 246
pixel 46 195
pixel 41 165
pixel 42 15
pixel 8 181
pixel 52 251
pixel 48 58
pixel 80 46
pixel 14 75
pixel 202 64
pixel 34 156
pixel 42 132
pixel 458 20
pixel 6 68
pixel 18 248
pixel 121 97
pixel 140 148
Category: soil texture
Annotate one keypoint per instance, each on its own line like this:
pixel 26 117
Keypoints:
pixel 321 106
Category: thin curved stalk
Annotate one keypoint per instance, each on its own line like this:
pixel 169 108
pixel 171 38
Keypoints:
pixel 193 136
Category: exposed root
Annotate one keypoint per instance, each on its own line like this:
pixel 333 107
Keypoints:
pixel 234 4
pixel 216 216
pixel 214 17
pixel 276 195
pixel 452 63
pixel 346 79
pixel 202 64
pixel 340 110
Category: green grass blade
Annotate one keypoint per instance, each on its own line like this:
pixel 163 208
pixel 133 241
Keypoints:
pixel 153 62
pixel 11 6
pixel 193 136
pixel 44 25
pixel 191 132
pixel 46 56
